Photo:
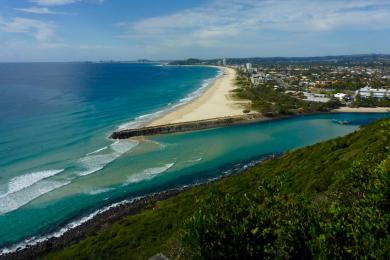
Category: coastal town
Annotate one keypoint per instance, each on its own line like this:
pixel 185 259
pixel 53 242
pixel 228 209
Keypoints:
pixel 352 86
pixel 345 83
pixel 355 82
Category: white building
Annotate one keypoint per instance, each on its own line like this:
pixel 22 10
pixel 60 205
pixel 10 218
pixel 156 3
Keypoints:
pixel 260 78
pixel 367 92
pixel 313 97
pixel 340 96
pixel 248 66
pixel 224 61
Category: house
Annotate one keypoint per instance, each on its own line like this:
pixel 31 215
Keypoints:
pixel 248 67
pixel 313 97
pixel 367 92
pixel 340 96
pixel 259 78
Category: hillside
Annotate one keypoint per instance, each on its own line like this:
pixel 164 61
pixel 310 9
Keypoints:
pixel 328 200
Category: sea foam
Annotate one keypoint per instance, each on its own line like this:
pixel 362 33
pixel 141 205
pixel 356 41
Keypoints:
pixel 25 188
pixel 18 199
pixel 96 161
pixel 148 174
pixel 21 182
pixel 98 150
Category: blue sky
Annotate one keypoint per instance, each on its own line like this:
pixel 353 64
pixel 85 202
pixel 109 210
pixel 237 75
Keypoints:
pixel 67 30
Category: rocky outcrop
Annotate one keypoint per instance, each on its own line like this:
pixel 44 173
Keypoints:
pixel 187 126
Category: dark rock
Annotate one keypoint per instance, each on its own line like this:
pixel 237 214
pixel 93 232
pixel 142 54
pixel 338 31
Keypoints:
pixel 188 126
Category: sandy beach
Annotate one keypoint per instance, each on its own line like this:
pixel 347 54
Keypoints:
pixel 363 109
pixel 215 102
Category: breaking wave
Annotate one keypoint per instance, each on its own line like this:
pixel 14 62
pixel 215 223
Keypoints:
pixel 24 181
pixel 148 174
pixel 94 162
pixel 18 199
pixel 25 188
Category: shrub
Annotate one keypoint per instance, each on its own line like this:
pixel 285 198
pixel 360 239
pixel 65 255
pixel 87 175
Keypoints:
pixel 351 219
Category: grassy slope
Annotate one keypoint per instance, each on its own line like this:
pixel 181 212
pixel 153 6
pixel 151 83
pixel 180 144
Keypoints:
pixel 308 170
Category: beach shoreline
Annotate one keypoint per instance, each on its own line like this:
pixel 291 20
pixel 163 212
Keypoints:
pixel 361 110
pixel 215 102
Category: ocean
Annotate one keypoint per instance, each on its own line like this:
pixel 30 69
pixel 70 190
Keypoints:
pixel 58 167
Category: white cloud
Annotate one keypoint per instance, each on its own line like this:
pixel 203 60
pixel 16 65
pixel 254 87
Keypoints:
pixel 63 2
pixel 54 2
pixel 39 10
pixel 220 28
pixel 41 31
pixel 237 22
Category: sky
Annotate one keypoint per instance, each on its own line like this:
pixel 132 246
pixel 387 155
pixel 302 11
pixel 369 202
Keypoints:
pixel 79 30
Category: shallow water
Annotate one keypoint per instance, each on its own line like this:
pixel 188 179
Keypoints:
pixel 69 169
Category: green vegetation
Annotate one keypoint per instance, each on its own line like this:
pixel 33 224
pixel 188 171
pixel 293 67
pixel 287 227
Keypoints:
pixel 329 200
pixel 348 84
pixel 273 102
pixel 371 102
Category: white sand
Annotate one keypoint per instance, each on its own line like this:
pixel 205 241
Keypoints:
pixel 215 102
pixel 363 109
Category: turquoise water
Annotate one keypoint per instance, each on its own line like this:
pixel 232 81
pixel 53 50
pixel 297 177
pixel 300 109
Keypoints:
pixel 57 166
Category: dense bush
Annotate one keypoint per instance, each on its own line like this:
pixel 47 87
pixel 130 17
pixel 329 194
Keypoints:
pixel 349 220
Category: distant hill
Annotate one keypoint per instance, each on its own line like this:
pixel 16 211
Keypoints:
pixel 361 58
pixel 329 200
pixel 190 61
pixel 145 61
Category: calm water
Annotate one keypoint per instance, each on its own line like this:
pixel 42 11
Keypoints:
pixel 57 164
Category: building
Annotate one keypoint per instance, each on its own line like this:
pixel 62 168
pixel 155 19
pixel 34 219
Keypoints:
pixel 367 92
pixel 224 61
pixel 313 97
pixel 260 78
pixel 340 96
pixel 257 79
pixel 248 66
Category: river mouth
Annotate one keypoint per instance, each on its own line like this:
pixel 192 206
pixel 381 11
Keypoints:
pixel 172 161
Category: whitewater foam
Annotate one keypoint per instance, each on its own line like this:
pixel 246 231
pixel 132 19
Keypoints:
pixel 99 191
pixel 148 174
pixel 25 188
pixel 98 150
pixel 24 181
pixel 122 146
pixel 194 160
pixel 95 162
pixel 18 199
